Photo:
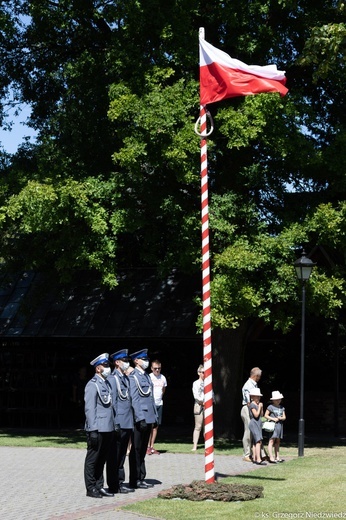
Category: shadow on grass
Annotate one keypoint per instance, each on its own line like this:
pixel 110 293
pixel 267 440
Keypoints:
pixel 173 436
pixel 314 441
pixel 224 475
pixel 167 436
pixel 182 436
pixel 63 437
pixel 257 477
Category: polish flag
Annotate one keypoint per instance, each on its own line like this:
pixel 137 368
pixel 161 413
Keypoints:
pixel 223 77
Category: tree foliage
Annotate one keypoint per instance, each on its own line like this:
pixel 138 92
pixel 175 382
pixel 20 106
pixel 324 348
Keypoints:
pixel 114 177
pixel 155 165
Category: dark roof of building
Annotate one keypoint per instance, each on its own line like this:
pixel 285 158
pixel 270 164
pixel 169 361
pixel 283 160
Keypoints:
pixel 142 305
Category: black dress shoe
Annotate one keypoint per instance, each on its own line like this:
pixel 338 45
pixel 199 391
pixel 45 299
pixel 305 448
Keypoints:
pixel 128 489
pixel 94 493
pixel 141 485
pixel 123 490
pixel 106 493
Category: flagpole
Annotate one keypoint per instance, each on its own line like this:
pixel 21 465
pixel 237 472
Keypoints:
pixel 215 87
pixel 207 345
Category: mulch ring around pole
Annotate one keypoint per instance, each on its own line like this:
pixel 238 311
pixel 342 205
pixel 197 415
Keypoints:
pixel 199 490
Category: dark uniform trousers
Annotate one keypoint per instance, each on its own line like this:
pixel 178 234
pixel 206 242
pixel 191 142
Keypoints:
pixel 116 459
pixel 137 455
pixel 141 389
pixel 95 460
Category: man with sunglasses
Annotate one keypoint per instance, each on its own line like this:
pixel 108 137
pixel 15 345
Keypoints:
pixel 99 426
pixel 160 384
pixel 145 416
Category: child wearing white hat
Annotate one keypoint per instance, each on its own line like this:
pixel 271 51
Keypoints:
pixel 275 412
pixel 255 425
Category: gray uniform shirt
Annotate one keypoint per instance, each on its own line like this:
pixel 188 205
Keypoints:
pixel 99 412
pixel 122 402
pixel 141 389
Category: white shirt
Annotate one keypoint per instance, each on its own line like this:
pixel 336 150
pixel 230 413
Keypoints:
pixel 159 382
pixel 249 385
pixel 198 390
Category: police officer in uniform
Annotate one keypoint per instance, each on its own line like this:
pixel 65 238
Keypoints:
pixel 120 384
pixel 145 416
pixel 99 426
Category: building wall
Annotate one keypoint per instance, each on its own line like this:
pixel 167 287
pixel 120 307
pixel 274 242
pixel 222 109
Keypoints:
pixel 38 378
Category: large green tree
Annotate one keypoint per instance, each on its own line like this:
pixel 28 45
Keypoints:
pixel 114 177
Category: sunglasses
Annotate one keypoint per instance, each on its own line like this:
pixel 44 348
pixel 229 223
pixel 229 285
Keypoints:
pixel 156 368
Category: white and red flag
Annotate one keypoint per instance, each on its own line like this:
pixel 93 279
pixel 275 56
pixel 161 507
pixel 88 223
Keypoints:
pixel 223 77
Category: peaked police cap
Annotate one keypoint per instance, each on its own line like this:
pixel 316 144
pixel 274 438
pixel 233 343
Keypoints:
pixel 121 354
pixel 141 354
pixel 103 358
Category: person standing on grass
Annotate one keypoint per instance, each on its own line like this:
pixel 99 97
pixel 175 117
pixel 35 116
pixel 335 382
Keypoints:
pixel 255 425
pixel 198 407
pixel 251 383
pixel 275 412
pixel 160 384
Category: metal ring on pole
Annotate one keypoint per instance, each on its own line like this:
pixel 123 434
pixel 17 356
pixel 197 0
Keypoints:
pixel 206 134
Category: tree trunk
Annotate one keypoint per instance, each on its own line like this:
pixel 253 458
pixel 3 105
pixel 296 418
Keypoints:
pixel 228 360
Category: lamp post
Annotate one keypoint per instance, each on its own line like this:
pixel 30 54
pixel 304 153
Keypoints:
pixel 303 268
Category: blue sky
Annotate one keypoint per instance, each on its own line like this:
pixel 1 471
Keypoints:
pixel 10 140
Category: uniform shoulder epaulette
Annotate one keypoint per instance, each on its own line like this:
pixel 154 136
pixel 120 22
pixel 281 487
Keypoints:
pixel 94 379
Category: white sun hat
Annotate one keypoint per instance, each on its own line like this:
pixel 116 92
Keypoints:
pixel 276 395
pixel 255 391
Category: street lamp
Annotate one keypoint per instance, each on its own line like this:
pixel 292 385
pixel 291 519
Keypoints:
pixel 303 268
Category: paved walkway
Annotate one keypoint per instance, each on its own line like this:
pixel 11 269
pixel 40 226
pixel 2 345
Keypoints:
pixel 48 483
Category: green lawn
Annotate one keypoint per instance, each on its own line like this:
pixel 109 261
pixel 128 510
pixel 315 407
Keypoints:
pixel 42 438
pixel 170 441
pixel 313 486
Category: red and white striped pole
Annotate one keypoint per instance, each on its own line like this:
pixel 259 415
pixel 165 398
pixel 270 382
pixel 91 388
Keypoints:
pixel 203 133
pixel 207 350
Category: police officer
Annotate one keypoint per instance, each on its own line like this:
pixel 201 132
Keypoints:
pixel 120 384
pixel 99 425
pixel 145 416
